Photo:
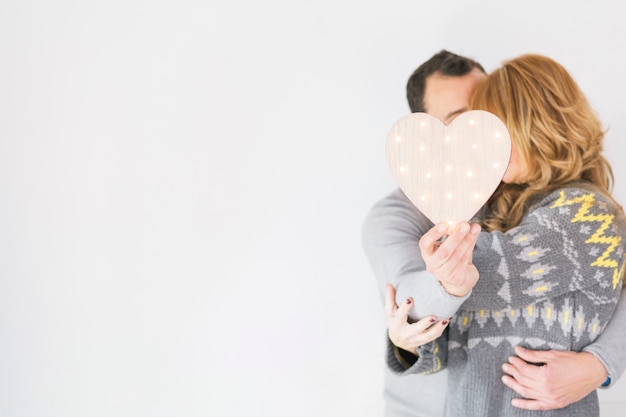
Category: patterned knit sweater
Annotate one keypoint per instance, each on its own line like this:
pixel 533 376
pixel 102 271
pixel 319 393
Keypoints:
pixel 550 283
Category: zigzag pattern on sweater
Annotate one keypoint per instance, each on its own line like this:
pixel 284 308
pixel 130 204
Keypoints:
pixel 534 280
pixel 612 242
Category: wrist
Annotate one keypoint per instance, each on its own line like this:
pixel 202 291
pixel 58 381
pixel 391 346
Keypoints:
pixel 596 369
pixel 455 291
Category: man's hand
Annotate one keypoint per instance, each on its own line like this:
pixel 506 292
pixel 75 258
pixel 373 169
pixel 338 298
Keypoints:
pixel 451 261
pixel 405 335
pixel 564 378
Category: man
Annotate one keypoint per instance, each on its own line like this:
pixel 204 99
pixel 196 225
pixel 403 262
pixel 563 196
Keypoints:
pixel 442 86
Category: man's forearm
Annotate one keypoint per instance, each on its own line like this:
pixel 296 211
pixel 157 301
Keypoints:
pixel 609 347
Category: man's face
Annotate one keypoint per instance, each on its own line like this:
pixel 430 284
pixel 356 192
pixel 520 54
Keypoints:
pixel 447 97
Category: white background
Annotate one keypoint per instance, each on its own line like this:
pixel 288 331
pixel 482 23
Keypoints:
pixel 182 186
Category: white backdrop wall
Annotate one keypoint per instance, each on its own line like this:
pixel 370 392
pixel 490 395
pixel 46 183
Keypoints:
pixel 182 186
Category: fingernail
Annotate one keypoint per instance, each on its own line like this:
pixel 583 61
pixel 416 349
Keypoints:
pixel 475 229
pixel 432 320
pixel 409 301
pixel 464 228
pixel 442 227
pixel 444 322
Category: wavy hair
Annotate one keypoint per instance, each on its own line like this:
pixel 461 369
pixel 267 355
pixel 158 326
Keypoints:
pixel 554 129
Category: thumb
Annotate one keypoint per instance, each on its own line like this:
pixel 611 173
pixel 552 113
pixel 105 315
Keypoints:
pixel 402 314
pixel 390 300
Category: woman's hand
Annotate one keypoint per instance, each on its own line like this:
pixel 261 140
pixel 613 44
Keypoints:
pixel 450 261
pixel 405 335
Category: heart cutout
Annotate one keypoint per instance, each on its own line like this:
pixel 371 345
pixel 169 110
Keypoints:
pixel 448 172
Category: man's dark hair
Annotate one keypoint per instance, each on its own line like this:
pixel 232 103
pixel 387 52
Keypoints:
pixel 444 63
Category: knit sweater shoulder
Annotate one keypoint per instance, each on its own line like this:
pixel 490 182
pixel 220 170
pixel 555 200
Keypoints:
pixel 550 283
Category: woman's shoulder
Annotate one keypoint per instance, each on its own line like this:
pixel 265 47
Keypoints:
pixel 581 199
pixel 585 196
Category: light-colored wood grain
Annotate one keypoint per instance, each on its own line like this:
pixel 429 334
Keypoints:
pixel 448 172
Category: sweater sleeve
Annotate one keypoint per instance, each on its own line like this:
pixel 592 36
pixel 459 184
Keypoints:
pixel 431 357
pixel 572 240
pixel 609 346
pixel 390 237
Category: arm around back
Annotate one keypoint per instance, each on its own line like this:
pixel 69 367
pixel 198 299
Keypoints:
pixel 609 348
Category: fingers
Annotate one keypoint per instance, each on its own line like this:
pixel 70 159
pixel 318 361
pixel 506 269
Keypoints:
pixel 427 242
pixel 424 324
pixel 401 333
pixel 451 263
pixel 470 239
pixel 517 387
pixel 530 404
pixel 512 369
pixel 460 244
pixel 425 330
pixel 523 372
pixel 533 356
pixel 527 394
pixel 461 256
pixel 456 248
pixel 402 313
pixel 435 330
pixel 515 381
pixel 525 379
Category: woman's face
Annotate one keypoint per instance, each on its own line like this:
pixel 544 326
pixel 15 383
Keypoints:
pixel 517 168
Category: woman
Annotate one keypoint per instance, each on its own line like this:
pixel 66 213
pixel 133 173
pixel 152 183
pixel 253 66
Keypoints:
pixel 550 256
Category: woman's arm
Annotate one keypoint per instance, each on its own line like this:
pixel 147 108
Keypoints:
pixel 390 235
pixel 572 240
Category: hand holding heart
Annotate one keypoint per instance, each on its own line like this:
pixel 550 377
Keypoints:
pixel 448 172
pixel 450 261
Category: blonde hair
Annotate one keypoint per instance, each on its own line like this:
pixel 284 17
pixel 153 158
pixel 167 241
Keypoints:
pixel 554 129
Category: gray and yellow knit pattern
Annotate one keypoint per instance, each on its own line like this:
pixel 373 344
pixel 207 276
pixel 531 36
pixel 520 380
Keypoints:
pixel 551 283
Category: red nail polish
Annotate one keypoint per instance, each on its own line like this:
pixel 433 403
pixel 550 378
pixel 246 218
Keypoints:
pixel 408 301
pixel 444 322
pixel 432 320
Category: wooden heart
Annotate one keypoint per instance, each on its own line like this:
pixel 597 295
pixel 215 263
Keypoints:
pixel 449 172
